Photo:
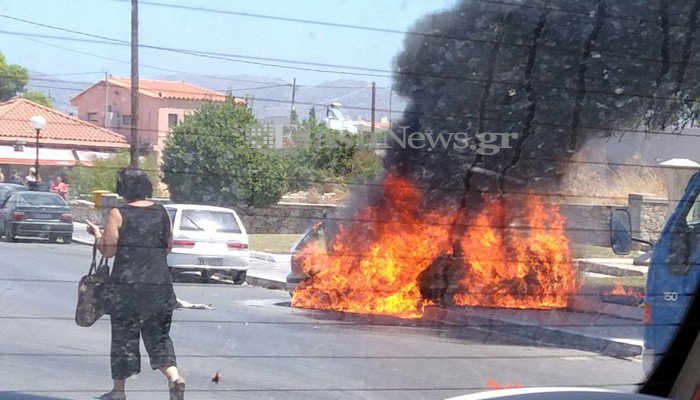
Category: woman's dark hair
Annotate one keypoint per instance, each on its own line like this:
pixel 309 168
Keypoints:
pixel 133 184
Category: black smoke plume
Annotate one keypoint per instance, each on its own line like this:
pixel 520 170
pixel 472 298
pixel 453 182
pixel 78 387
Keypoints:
pixel 554 73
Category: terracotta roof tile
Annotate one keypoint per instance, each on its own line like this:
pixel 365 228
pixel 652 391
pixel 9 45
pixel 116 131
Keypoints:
pixel 180 90
pixel 60 128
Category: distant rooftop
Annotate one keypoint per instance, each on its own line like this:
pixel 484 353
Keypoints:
pixel 179 90
pixel 61 129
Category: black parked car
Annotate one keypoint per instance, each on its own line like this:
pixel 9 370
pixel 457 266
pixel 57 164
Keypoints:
pixel 36 214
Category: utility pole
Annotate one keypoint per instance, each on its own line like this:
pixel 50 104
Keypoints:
pixel 134 83
pixel 373 136
pixel 391 93
pixel 294 93
pixel 106 97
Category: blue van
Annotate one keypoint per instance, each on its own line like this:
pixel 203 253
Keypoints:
pixel 673 271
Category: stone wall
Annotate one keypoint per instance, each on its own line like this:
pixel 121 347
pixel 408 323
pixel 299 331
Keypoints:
pixel 648 215
pixel 590 223
pixel 281 218
pixel 82 210
pixel 585 223
pixel 284 217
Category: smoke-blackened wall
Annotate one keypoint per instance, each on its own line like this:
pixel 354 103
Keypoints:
pixel 549 74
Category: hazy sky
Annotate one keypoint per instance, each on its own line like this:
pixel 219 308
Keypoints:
pixel 212 32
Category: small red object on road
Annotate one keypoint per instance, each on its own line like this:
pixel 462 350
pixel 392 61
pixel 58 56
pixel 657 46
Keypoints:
pixel 217 377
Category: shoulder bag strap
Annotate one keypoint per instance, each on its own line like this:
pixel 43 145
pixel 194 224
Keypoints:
pixel 93 264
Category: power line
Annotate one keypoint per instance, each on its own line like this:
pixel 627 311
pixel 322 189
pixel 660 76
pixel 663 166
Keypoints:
pixel 457 115
pixel 238 58
pixel 34 75
pixel 126 62
pixel 370 72
pixel 523 43
pixel 587 15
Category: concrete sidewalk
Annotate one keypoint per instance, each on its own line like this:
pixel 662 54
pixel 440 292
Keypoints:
pixel 603 334
pixel 611 266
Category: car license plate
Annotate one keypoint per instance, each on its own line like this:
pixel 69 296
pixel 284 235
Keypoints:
pixel 214 262
pixel 42 216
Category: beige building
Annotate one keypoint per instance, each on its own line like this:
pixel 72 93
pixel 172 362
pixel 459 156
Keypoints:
pixel 162 105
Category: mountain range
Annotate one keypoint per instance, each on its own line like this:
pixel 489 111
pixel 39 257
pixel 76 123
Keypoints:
pixel 269 97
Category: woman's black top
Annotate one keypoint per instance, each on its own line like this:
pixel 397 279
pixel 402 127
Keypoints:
pixel 140 281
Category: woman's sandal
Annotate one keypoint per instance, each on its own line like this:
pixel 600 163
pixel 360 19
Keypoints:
pixel 177 389
pixel 113 396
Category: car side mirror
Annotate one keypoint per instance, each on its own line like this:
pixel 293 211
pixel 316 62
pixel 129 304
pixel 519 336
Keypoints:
pixel 620 231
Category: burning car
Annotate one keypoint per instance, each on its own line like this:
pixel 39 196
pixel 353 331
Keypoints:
pixel 396 257
pixel 314 238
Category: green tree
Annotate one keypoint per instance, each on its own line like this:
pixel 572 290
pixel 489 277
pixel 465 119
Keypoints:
pixel 83 180
pixel 38 97
pixel 322 154
pixel 210 159
pixel 13 79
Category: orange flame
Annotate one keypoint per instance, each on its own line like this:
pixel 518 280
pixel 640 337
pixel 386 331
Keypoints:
pixel 620 290
pixel 494 385
pixel 375 263
pixel 517 266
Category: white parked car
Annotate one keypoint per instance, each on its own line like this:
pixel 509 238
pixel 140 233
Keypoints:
pixel 208 239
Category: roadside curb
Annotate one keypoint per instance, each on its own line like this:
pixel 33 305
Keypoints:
pixel 265 282
pixel 584 265
pixel 535 333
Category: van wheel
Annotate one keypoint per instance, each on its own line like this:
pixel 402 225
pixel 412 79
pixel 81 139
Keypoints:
pixel 239 277
pixel 67 239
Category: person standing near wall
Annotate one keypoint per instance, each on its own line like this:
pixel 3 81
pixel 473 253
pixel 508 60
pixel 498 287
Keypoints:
pixel 31 179
pixel 59 187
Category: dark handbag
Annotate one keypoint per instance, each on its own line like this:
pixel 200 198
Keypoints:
pixel 91 292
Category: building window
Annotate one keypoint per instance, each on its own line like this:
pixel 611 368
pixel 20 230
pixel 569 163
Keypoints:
pixel 126 120
pixel 92 117
pixel 172 120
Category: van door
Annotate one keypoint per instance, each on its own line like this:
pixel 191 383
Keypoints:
pixel 675 270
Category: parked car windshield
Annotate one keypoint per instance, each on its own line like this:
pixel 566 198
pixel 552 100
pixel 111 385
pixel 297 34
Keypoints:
pixel 38 199
pixel 208 221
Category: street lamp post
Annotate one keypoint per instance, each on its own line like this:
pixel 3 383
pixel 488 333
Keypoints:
pixel 37 122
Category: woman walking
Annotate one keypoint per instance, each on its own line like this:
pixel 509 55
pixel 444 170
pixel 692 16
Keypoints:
pixel 140 298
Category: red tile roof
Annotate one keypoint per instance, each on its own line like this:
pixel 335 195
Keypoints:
pixel 61 129
pixel 179 90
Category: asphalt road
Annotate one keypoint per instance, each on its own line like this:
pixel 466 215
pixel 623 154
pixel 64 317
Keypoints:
pixel 263 348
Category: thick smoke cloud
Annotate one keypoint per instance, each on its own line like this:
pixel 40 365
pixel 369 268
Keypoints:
pixel 552 72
